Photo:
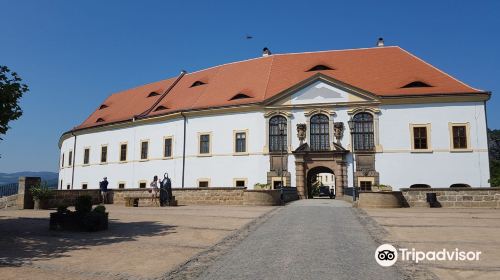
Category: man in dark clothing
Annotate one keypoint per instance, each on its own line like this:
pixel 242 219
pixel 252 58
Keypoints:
pixel 103 186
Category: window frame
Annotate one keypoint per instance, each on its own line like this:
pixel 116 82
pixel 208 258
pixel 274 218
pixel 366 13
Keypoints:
pixel 358 133
pixel 235 142
pixel 245 180
pixel 143 182
pixel 86 156
pixel 121 183
pixel 106 160
pixel 141 150
pixel 62 160
pixel 171 147
pixel 120 152
pixel 428 129
pixel 199 180
pixel 451 125
pixel 85 184
pixel 200 134
pixel 320 135
pixel 70 158
pixel 284 138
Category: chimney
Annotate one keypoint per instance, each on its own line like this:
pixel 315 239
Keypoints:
pixel 266 52
pixel 380 42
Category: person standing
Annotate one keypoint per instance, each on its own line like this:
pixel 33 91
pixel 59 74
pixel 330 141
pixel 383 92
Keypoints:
pixel 103 186
pixel 154 189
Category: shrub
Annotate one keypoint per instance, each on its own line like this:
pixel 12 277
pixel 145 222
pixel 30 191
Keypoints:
pixel 83 204
pixel 41 191
pixel 100 209
pixel 93 221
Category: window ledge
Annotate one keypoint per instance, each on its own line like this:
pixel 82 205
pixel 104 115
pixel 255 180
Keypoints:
pixel 204 155
pixel 85 165
pixel 122 162
pixel 145 159
pixel 422 151
pixel 167 157
pixel 461 151
pixel 241 154
pixel 103 163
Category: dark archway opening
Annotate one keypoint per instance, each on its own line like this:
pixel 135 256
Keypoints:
pixel 320 182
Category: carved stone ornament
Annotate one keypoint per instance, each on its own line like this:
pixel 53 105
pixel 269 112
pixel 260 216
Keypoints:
pixel 301 132
pixel 338 130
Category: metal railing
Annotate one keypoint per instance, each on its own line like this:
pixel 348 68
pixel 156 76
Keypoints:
pixel 9 189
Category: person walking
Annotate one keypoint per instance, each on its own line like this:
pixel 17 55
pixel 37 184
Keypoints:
pixel 103 186
pixel 154 190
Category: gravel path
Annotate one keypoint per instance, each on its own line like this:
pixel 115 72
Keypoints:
pixel 307 239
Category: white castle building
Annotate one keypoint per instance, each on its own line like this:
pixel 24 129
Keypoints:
pixel 288 117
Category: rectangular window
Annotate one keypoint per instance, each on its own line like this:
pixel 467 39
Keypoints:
pixel 205 144
pixel 67 186
pixel 84 186
pixel 459 136
pixel 123 152
pixel 142 185
pixel 203 184
pixel 240 142
pixel 121 185
pixel 70 158
pixel 167 147
pixel 420 138
pixel 144 149
pixel 104 154
pixel 365 185
pixel 62 161
pixel 61 184
pixel 240 183
pixel 86 156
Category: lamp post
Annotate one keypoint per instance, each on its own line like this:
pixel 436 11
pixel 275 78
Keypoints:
pixel 282 128
pixel 351 124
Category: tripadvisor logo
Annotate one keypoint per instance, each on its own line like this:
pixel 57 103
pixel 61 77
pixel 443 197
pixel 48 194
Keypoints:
pixel 386 255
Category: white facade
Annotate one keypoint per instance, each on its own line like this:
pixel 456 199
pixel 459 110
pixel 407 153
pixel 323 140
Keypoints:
pixel 396 162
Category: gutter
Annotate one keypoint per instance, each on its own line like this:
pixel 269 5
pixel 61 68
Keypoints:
pixel 184 148
pixel 73 163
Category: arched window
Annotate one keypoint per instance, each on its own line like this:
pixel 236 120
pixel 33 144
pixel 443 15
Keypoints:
pixel 320 135
pixel 277 138
pixel 363 132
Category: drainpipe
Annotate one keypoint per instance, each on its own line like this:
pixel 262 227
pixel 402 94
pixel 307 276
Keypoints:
pixel 73 164
pixel 184 149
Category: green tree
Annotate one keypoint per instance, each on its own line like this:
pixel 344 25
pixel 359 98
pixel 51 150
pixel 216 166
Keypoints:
pixel 11 90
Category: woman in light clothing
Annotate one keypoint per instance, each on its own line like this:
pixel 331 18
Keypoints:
pixel 154 189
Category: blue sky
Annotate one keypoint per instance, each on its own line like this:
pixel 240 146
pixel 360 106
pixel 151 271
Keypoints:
pixel 73 54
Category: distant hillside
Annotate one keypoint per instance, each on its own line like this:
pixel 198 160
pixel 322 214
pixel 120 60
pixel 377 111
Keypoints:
pixel 8 178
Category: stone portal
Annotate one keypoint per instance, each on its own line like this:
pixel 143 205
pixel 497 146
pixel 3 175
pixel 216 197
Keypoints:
pixel 307 160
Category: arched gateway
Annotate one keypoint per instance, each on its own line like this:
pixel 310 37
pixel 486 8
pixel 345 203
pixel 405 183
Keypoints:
pixel 309 162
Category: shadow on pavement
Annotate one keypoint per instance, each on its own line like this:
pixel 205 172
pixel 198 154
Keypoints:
pixel 23 240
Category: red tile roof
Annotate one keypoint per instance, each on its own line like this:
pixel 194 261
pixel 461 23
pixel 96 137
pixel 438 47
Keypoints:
pixel 382 71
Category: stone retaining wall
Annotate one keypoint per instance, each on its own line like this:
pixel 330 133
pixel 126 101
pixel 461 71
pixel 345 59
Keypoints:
pixel 455 197
pixel 187 196
pixel 8 201
pixel 380 200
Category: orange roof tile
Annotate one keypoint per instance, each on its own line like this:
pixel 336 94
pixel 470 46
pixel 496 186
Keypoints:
pixel 382 71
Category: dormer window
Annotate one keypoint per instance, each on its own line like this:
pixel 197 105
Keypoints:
pixel 416 84
pixel 99 120
pixel 153 93
pixel 240 96
pixel 319 67
pixel 103 106
pixel 197 83
pixel 160 108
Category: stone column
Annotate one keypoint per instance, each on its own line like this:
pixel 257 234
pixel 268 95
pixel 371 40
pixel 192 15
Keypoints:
pixel 300 178
pixel 24 197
